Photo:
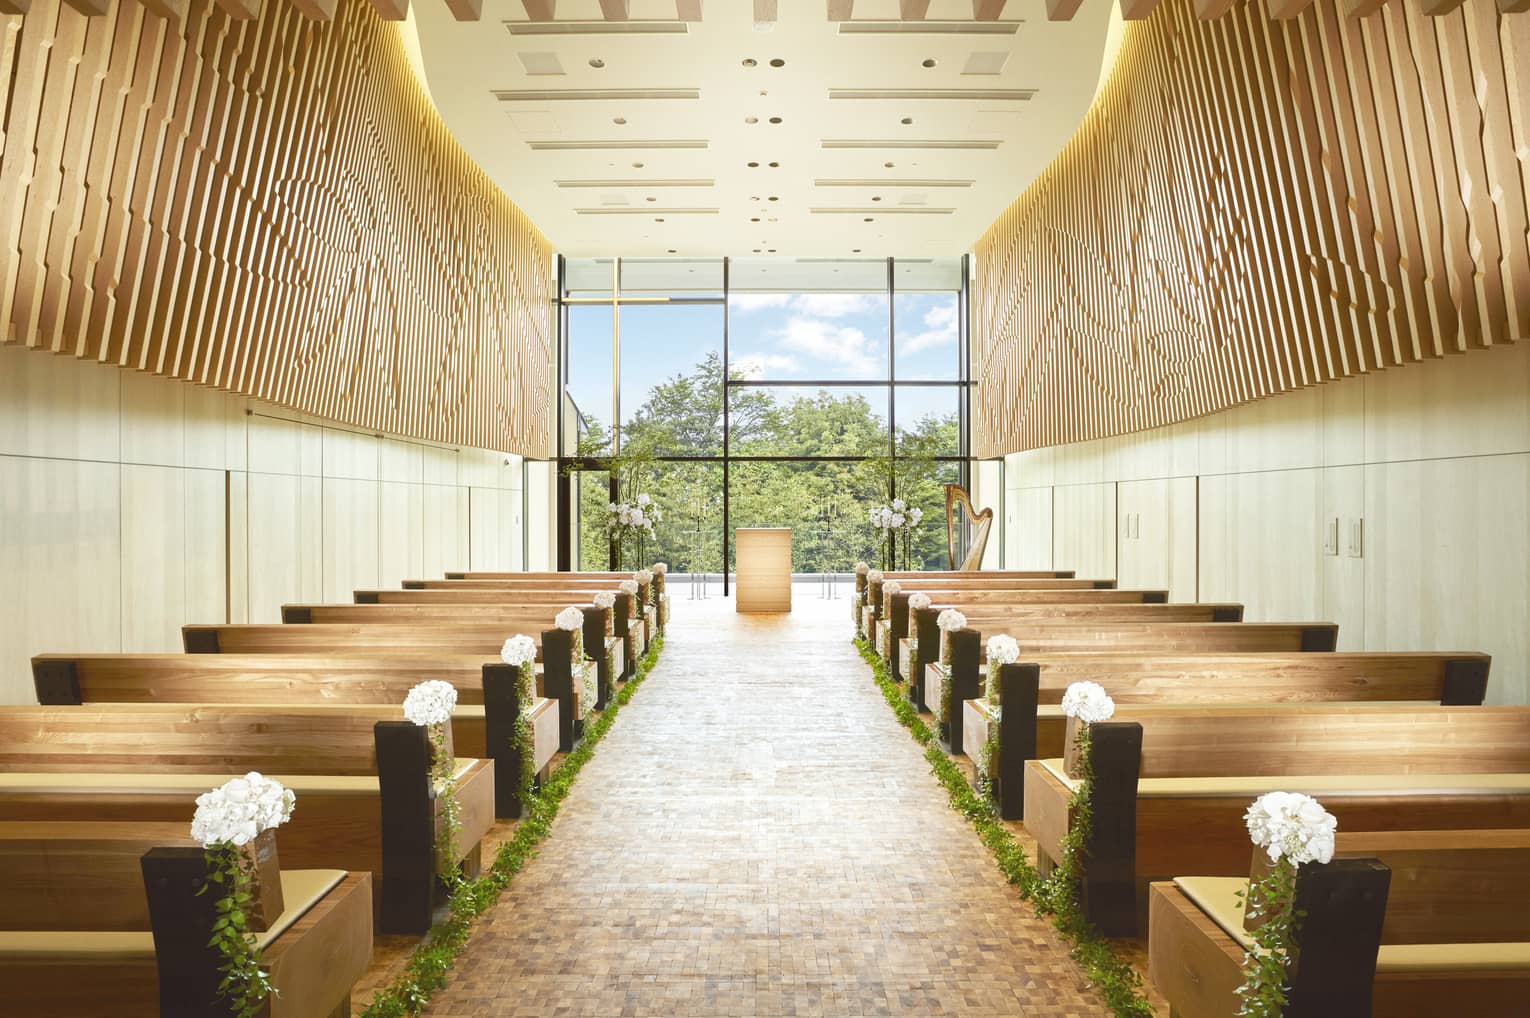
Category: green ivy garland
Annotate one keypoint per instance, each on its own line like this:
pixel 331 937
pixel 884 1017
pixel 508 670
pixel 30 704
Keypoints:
pixel 524 738
pixel 1063 887
pixel 1117 981
pixel 428 967
pixel 990 751
pixel 943 715
pixel 443 775
pixel 245 985
pixel 1273 899
pixel 589 680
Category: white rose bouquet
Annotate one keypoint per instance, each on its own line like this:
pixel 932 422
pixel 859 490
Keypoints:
pixel 632 522
pixel 897 519
pixel 605 599
pixel 918 601
pixel 520 653
pixel 571 620
pixel 238 811
pixel 430 705
pixel 1088 702
pixel 1002 650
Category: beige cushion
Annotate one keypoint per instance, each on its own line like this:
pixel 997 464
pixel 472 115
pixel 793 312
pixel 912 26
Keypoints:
pixel 108 782
pixel 1218 898
pixel 1328 785
pixel 301 891
pixel 1127 711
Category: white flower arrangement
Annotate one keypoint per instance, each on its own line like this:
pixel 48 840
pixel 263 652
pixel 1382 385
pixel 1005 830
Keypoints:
pixel 1002 650
pixel 875 576
pixel 896 516
pixel 1291 826
pixel 643 576
pixel 662 568
pixel 891 587
pixel 605 599
pixel 520 650
pixel 861 568
pixel 632 519
pixel 918 601
pixel 1088 702
pixel 950 620
pixel 431 703
pixel 236 812
pixel 628 587
pixel 570 619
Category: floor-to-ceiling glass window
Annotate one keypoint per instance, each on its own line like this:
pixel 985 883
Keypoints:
pixel 760 392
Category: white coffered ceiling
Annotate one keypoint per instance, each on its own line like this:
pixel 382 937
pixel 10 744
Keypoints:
pixel 827 127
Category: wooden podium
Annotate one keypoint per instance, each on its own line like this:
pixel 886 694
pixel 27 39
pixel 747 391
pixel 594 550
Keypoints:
pixel 764 580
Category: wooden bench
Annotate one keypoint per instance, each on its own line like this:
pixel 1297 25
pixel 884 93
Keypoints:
pixel 1032 721
pixel 863 602
pixel 482 640
pixel 84 905
pixel 361 776
pixel 1048 637
pixel 482 726
pixel 1406 924
pixel 614 663
pixel 1170 789
pixel 655 609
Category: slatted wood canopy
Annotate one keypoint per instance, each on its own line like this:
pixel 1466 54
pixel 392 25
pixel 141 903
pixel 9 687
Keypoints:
pixel 1281 197
pixel 259 196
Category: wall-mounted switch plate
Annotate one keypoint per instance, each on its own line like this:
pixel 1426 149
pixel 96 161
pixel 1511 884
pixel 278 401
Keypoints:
pixel 1331 536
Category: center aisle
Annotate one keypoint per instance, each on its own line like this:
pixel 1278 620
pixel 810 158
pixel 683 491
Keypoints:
pixel 758 836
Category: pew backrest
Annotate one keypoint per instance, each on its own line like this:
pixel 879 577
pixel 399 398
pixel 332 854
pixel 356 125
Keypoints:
pixel 79 875
pixel 453 639
pixel 1043 637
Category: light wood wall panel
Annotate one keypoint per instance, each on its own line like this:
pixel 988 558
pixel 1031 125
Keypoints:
pixel 271 207
pixel 1256 205
pixel 1084 528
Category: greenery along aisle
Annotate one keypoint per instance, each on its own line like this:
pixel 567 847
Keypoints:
pixel 1118 983
pixel 431 962
pixel 683 417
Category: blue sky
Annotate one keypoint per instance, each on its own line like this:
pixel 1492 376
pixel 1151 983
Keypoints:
pixel 773 336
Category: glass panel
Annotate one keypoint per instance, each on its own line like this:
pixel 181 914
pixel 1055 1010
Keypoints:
pixel 921 483
pixel 910 274
pixel 927 336
pixel 689 533
pixel 825 504
pixel 592 548
pixel 808 319
pixel 589 378
pixel 926 418
pixel 806 421
pixel 588 277
pixel 672 379
pixel 684 277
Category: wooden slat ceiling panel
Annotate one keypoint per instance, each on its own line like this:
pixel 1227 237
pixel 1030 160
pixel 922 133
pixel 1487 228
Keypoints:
pixel 1254 205
pixel 247 198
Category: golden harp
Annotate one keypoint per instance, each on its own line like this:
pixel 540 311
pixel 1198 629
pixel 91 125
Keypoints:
pixel 981 522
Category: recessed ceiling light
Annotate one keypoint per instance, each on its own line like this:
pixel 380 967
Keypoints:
pixel 618 120
pixel 888 165
pixel 855 250
pixel 754 197
pixel 749 61
pixel 772 219
pixel 775 166
pixel 658 219
pixel 778 62
pixel 773 198
pixel 672 251
pixel 929 62
pixel 637 166
pixel 775 120
pixel 754 219
pixel 751 120
pixel 655 199
pixel 906 121
pixel 753 166
pixel 770 250
pixel 596 62
pixel 875 197
pixel 868 219
pixel 756 250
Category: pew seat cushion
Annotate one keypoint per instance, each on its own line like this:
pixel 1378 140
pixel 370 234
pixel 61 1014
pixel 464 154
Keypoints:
pixel 177 783
pixel 1322 785
pixel 1218 898
pixel 301 891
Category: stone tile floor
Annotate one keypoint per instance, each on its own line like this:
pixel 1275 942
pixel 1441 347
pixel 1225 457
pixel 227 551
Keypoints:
pixel 758 836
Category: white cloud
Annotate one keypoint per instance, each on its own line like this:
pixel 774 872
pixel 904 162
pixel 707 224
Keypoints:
pixel 939 330
pixel 756 366
pixel 829 342
pixel 747 302
pixel 833 305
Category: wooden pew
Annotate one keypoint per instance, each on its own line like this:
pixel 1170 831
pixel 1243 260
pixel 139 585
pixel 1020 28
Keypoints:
pixel 654 601
pixel 361 776
pixel 612 658
pixel 1048 637
pixel 1452 935
pixel 483 725
pixel 863 603
pixel 83 906
pixel 482 640
pixel 1032 721
pixel 1171 788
